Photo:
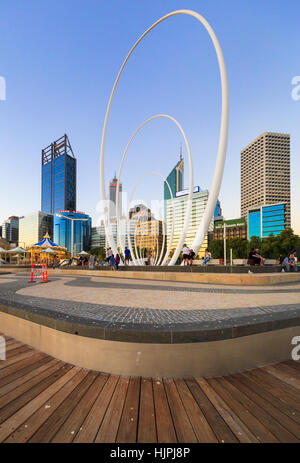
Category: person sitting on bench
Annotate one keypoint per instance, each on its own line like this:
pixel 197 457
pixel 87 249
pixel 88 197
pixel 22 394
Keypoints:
pixel 207 257
pixel 253 258
pixel 289 264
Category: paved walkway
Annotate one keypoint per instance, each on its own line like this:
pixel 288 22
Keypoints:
pixel 47 400
pixel 155 312
pixel 162 295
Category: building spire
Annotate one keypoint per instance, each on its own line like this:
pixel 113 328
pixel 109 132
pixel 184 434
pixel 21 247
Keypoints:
pixel 181 152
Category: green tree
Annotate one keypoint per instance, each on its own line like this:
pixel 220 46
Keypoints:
pixel 216 248
pixel 98 252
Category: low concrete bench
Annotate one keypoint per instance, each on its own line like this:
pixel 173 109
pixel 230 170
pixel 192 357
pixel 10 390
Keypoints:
pixel 245 262
pixel 211 262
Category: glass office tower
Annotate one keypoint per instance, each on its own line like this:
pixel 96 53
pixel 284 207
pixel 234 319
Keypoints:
pixel 58 177
pixel 82 228
pixel 175 180
pixel 267 220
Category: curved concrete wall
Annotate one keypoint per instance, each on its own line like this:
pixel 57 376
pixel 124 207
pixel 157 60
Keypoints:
pixel 216 358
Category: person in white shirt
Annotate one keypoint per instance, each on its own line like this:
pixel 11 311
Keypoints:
pixel 186 254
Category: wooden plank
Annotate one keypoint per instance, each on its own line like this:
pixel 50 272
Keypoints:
pixel 146 425
pixel 200 425
pixel 293 364
pixel 270 407
pixel 290 368
pixel 73 423
pixel 246 414
pixel 129 421
pixel 15 421
pixel 284 373
pixel 109 427
pixel 164 423
pixel 265 393
pixel 237 426
pixel 261 414
pixel 28 365
pixel 12 345
pixel 262 433
pixel 16 362
pixel 91 424
pixel 183 427
pixel 48 430
pixel 35 372
pixel 10 341
pixel 20 401
pixel 282 390
pixel 18 350
pixel 215 420
pixel 22 388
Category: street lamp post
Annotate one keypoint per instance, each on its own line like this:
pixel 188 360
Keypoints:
pixel 225 260
pixel 72 229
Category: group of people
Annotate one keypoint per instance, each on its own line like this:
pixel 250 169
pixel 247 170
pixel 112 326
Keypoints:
pixel 287 263
pixel 189 255
pixel 113 261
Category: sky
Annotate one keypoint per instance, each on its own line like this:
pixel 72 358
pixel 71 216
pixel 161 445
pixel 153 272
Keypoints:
pixel 60 58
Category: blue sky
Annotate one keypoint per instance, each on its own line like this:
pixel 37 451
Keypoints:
pixel 60 59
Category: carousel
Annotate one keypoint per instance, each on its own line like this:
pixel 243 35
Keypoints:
pixel 46 252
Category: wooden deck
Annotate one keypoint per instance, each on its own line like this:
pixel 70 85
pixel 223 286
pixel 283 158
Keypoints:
pixel 46 400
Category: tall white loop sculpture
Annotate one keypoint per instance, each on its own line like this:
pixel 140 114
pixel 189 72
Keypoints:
pixel 164 238
pixel 221 156
pixel 137 254
pixel 191 182
pixel 135 261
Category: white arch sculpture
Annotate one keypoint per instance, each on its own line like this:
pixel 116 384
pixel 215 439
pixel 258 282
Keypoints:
pixel 221 156
pixel 191 182
pixel 136 261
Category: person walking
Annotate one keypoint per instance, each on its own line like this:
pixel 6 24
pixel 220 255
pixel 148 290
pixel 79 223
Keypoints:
pixel 127 256
pixel 117 261
pixel 186 254
pixel 108 254
pixel 112 262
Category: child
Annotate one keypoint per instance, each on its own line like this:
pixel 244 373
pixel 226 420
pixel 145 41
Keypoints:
pixel 112 261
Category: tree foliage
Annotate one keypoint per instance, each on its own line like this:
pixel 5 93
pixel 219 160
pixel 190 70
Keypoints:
pixel 270 247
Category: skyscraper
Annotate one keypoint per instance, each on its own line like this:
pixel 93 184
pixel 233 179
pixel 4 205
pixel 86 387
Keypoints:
pixel 112 197
pixel 73 227
pixel 265 174
pixel 58 177
pixel 175 179
pixel 10 229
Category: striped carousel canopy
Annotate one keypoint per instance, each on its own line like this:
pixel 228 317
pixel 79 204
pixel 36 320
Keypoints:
pixel 46 243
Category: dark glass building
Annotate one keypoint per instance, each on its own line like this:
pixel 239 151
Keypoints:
pixel 175 180
pixel 58 177
pixel 82 229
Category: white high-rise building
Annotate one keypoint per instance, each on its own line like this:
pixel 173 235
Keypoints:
pixel 265 173
pixel 199 203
